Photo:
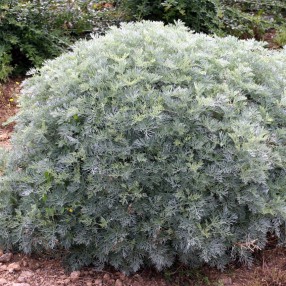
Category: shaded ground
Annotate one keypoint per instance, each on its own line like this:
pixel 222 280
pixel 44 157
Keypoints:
pixel 8 108
pixel 20 270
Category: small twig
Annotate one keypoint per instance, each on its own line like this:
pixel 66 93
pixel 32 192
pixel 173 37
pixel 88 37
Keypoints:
pixel 249 245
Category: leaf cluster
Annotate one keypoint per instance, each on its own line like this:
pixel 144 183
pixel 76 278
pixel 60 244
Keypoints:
pixel 244 18
pixel 32 31
pixel 241 18
pixel 199 15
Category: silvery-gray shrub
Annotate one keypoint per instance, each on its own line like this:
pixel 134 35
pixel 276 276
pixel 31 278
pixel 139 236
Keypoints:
pixel 148 145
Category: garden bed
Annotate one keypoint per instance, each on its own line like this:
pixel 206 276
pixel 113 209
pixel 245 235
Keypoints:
pixel 8 108
pixel 269 270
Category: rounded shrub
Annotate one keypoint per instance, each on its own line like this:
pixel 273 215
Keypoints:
pixel 149 145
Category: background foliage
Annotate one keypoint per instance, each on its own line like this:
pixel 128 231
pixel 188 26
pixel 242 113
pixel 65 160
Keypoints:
pixel 148 145
pixel 199 15
pixel 242 18
pixel 32 31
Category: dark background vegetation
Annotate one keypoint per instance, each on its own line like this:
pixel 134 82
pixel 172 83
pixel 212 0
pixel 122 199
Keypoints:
pixel 32 31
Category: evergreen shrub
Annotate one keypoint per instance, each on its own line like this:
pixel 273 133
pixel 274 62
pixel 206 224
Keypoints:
pixel 148 145
pixel 32 31
pixel 241 18
pixel 199 15
pixel 246 18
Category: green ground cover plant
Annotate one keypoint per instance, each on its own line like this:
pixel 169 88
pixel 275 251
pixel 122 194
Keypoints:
pixel 146 146
pixel 245 19
pixel 33 31
pixel 241 18
pixel 280 37
pixel 199 15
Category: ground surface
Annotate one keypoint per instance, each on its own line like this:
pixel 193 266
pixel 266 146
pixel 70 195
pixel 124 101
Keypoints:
pixel 269 268
pixel 8 107
pixel 20 270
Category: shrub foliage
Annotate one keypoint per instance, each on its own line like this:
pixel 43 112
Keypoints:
pixel 242 18
pixel 32 31
pixel 147 145
pixel 199 15
pixel 26 36
pixel 245 18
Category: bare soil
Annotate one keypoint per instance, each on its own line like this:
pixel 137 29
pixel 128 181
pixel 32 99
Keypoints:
pixel 20 270
pixel 8 107
pixel 269 267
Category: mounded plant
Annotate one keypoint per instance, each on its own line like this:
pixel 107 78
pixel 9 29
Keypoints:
pixel 148 145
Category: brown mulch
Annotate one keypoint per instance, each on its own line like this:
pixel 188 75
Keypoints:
pixel 269 37
pixel 20 270
pixel 33 271
pixel 8 107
